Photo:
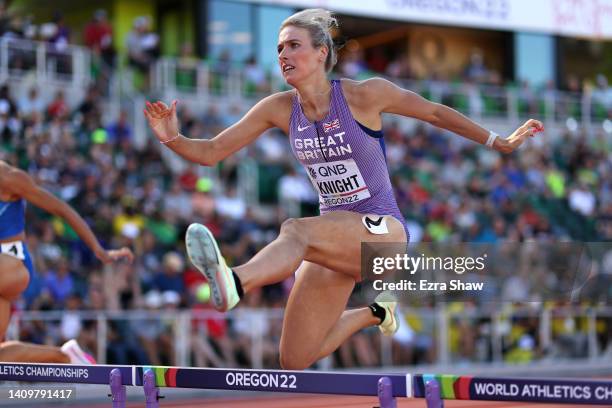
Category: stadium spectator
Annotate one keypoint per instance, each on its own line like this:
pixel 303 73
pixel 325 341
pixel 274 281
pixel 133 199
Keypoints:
pixel 143 47
pixel 603 92
pixel 352 64
pixel 150 329
pixel 98 36
pixel 400 67
pixel 31 104
pixel 255 77
pixel 186 68
pixel 582 200
pixel 170 278
pixel 475 70
pixel 59 282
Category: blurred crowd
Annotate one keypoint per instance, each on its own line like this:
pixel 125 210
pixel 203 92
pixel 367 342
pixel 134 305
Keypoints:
pixel 448 189
pixel 480 89
pixel 477 89
pixel 142 44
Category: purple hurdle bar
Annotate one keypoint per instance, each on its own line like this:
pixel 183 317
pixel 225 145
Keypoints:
pixel 384 390
pixel 118 392
pixel 434 388
pixel 385 393
pixel 385 387
pixel 432 395
pixel 575 392
pixel 150 390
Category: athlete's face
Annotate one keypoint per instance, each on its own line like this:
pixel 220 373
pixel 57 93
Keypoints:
pixel 297 58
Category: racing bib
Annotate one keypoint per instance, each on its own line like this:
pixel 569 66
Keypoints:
pixel 14 249
pixel 338 182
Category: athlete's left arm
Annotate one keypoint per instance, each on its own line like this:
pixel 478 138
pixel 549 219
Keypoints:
pixel 21 184
pixel 393 99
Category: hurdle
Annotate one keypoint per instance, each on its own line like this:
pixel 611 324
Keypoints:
pixel 386 387
pixel 435 389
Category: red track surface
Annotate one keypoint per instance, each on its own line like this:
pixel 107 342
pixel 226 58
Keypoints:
pixel 309 401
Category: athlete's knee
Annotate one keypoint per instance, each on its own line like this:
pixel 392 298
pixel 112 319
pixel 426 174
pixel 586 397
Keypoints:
pixel 22 280
pixel 295 229
pixel 14 284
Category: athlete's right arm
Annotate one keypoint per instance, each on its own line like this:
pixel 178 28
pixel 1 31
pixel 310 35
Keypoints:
pixel 164 124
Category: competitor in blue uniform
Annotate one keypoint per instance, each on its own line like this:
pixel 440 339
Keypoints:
pixel 17 187
pixel 333 128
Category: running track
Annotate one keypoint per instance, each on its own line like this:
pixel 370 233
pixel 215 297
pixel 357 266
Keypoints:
pixel 309 401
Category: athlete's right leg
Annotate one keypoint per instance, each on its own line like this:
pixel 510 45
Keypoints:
pixel 14 278
pixel 332 240
pixel 18 352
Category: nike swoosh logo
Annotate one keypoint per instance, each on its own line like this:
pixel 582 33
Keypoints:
pixel 301 129
pixel 3 209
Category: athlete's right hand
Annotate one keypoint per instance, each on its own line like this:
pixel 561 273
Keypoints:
pixel 162 120
pixel 113 255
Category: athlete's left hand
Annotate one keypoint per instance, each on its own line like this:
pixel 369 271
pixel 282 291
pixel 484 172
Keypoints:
pixel 510 144
pixel 114 255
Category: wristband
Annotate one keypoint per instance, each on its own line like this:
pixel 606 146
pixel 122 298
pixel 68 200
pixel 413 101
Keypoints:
pixel 491 139
pixel 171 139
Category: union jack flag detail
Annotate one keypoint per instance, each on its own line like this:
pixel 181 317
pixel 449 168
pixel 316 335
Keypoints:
pixel 334 124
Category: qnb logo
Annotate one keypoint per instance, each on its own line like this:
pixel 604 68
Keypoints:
pixel 332 170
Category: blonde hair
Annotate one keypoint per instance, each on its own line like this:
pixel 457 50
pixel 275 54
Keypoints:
pixel 319 23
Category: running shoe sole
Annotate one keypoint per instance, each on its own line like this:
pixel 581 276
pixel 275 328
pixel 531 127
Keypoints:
pixel 204 253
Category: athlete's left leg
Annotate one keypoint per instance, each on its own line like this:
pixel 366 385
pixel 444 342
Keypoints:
pixel 316 322
pixel 14 278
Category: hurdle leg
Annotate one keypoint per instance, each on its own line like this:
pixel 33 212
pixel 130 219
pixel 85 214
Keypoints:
pixel 432 395
pixel 385 393
pixel 118 393
pixel 151 391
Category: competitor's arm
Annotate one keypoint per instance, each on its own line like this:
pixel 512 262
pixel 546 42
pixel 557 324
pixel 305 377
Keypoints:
pixel 20 183
pixel 393 99
pixel 164 123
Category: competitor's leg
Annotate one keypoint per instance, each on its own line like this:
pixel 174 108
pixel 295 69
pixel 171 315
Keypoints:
pixel 316 302
pixel 350 322
pixel 18 352
pixel 316 322
pixel 14 278
pixel 332 240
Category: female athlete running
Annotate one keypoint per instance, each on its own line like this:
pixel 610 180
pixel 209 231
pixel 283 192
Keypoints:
pixel 334 131
pixel 17 188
